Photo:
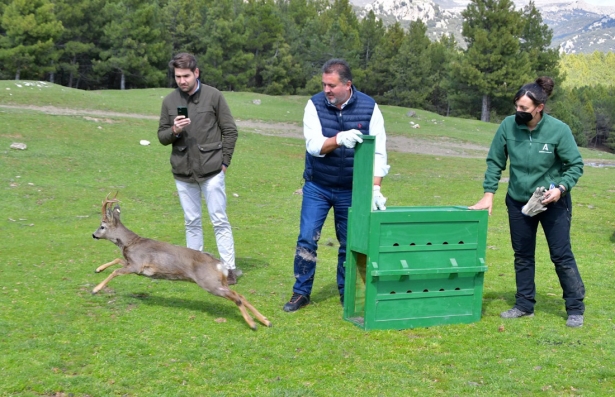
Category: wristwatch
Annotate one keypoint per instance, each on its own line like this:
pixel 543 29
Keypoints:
pixel 561 189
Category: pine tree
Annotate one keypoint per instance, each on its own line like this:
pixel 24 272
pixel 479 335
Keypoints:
pixel 183 23
pixel 371 34
pixel 31 30
pixel 441 54
pixel 493 64
pixel 78 45
pixel 379 77
pixel 226 65
pixel 300 33
pixel 565 110
pixel 341 33
pixel 279 70
pixel 411 73
pixel 535 40
pixel 135 46
pixel 264 34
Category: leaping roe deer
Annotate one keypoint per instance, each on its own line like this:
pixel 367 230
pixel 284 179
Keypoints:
pixel 157 259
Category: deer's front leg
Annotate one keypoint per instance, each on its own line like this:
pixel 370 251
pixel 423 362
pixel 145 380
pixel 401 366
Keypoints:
pixel 116 272
pixel 106 265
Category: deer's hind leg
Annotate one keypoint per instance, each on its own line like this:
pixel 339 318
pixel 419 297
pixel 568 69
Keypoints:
pixel 224 292
pixel 258 315
pixel 235 297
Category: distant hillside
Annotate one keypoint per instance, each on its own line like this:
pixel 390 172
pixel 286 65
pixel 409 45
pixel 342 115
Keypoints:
pixel 588 69
pixel 578 27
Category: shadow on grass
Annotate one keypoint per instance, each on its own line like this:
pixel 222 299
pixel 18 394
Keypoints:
pixel 545 303
pixel 210 304
pixel 490 298
pixel 250 263
pixel 319 294
pixel 326 292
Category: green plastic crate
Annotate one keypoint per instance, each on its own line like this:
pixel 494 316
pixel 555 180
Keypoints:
pixel 409 267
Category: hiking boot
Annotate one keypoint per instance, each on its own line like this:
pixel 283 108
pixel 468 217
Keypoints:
pixel 233 274
pixel 575 320
pixel 515 313
pixel 296 302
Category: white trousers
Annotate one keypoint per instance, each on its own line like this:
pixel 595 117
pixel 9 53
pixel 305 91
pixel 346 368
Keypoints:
pixel 213 190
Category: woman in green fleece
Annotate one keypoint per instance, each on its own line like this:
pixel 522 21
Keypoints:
pixel 542 152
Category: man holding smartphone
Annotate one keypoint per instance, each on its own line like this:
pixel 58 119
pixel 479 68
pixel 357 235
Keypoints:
pixel 196 120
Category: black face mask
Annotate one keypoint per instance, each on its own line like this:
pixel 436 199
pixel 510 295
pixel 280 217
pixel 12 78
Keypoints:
pixel 523 118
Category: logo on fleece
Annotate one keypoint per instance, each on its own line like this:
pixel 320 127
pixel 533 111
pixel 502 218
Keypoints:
pixel 545 149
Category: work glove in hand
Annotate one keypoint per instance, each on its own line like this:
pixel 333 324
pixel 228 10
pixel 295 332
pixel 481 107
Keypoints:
pixel 348 138
pixel 535 206
pixel 378 200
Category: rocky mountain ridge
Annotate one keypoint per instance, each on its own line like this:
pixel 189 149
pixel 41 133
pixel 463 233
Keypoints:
pixel 578 26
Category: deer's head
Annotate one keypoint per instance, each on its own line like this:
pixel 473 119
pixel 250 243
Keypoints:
pixel 110 220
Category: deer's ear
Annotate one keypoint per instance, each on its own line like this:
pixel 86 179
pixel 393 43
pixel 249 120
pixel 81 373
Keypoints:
pixel 116 213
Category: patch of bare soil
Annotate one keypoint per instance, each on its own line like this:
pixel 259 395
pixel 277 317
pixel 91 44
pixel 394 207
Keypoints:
pixel 78 112
pixel 436 147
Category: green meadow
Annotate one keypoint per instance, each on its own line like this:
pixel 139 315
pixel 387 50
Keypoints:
pixel 143 337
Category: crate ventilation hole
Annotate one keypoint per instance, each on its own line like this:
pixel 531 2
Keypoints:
pixel 429 243
pixel 425 290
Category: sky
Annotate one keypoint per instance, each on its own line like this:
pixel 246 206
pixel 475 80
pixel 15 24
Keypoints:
pixel 601 2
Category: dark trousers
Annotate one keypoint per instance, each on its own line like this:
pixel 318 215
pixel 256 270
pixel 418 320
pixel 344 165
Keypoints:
pixel 555 223
pixel 317 201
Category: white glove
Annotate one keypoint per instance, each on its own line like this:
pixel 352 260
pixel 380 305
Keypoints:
pixel 378 200
pixel 535 206
pixel 348 138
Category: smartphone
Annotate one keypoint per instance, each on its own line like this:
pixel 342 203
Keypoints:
pixel 182 111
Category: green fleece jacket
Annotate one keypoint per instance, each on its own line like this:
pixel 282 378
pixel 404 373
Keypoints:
pixel 546 155
pixel 207 143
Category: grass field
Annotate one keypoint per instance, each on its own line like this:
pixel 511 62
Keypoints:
pixel 142 337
